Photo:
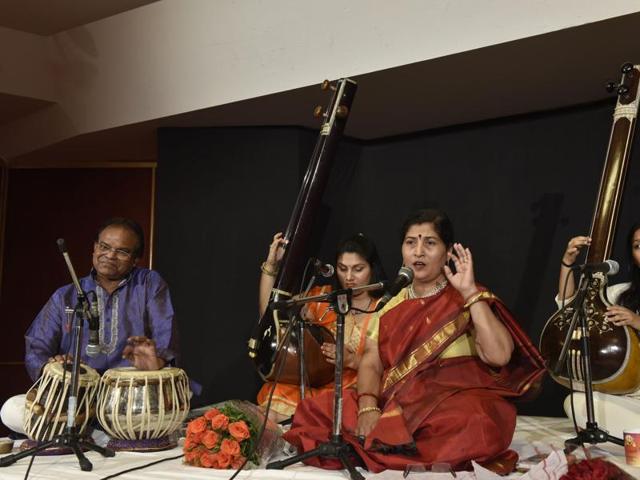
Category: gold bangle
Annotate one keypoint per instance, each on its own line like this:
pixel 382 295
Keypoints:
pixel 368 409
pixel 265 269
pixel 478 297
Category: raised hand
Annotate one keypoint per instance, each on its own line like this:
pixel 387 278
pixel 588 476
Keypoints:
pixel 276 250
pixel 573 249
pixel 141 352
pixel 463 280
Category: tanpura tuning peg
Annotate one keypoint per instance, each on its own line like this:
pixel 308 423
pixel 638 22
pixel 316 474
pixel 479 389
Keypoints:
pixel 627 67
pixel 327 85
pixel 342 111
pixel 318 111
pixel 619 88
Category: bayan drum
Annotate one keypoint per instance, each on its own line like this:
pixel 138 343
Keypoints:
pixel 140 409
pixel 46 402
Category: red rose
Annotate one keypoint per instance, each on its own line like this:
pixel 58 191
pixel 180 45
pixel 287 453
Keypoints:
pixel 210 439
pixel 219 422
pixel 189 444
pixel 239 430
pixel 224 460
pixel 209 460
pixel 197 425
pixel 191 457
pixel 237 462
pixel 211 413
pixel 195 437
pixel 230 447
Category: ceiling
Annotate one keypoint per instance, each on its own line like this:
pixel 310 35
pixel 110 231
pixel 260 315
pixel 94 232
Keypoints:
pixel 546 72
pixel 46 17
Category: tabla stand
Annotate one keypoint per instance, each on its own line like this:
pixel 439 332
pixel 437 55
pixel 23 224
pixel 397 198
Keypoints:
pixel 592 433
pixel 337 448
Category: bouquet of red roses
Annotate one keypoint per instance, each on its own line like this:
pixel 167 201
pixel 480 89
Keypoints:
pixel 225 436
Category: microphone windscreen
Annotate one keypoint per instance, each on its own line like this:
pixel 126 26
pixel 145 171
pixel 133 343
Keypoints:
pixel 614 267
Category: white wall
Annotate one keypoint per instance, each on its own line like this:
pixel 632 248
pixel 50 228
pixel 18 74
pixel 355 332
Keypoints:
pixel 24 66
pixel 176 56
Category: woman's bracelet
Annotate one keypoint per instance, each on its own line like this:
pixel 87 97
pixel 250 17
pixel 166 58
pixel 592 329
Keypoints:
pixel 368 409
pixel 478 297
pixel 568 265
pixel 372 395
pixel 265 269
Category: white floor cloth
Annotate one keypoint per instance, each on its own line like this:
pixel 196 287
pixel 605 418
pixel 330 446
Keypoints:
pixel 534 436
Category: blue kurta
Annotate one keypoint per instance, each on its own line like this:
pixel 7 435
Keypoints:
pixel 140 305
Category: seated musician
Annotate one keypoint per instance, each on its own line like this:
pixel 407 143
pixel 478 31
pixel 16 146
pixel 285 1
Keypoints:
pixel 613 413
pixel 357 264
pixel 134 307
pixel 440 362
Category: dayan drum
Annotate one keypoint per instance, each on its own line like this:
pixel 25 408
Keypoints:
pixel 46 403
pixel 143 408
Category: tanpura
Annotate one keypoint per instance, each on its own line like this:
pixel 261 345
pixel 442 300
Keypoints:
pixel 614 351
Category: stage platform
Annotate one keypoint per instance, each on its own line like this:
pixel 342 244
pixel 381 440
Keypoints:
pixel 534 436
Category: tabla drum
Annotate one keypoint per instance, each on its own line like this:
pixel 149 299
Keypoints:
pixel 46 403
pixel 140 409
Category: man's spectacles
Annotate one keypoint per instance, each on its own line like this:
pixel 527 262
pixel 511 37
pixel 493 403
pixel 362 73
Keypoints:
pixel 121 253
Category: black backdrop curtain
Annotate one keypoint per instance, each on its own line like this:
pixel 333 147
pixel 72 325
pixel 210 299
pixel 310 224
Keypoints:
pixel 516 189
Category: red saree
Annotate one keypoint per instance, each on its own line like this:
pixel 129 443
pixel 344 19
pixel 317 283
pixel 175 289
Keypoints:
pixel 437 406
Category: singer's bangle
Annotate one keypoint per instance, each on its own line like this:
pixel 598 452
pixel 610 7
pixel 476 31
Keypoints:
pixel 479 297
pixel 368 409
pixel 372 395
pixel 566 264
pixel 265 269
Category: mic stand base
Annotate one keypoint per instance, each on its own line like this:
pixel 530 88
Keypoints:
pixel 591 434
pixel 336 448
pixel 68 439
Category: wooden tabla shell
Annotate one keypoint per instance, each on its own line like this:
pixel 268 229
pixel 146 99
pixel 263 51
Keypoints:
pixel 143 404
pixel 46 404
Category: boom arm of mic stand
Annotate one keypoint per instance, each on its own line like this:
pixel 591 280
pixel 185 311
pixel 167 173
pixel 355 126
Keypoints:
pixel 324 298
pixel 83 300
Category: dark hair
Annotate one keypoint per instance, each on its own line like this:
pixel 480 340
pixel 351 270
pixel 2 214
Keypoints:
pixel 631 298
pixel 441 223
pixel 366 249
pixel 130 225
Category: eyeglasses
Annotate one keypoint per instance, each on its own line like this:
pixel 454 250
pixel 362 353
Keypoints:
pixel 121 253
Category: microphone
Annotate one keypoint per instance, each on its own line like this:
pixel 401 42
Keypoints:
pixel 608 267
pixel 93 346
pixel 324 269
pixel 404 278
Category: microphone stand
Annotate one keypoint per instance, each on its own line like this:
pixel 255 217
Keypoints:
pixel 70 438
pixel 340 301
pixel 592 433
pixel 301 364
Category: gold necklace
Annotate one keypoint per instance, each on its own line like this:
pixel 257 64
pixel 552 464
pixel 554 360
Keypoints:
pixel 352 314
pixel 438 287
